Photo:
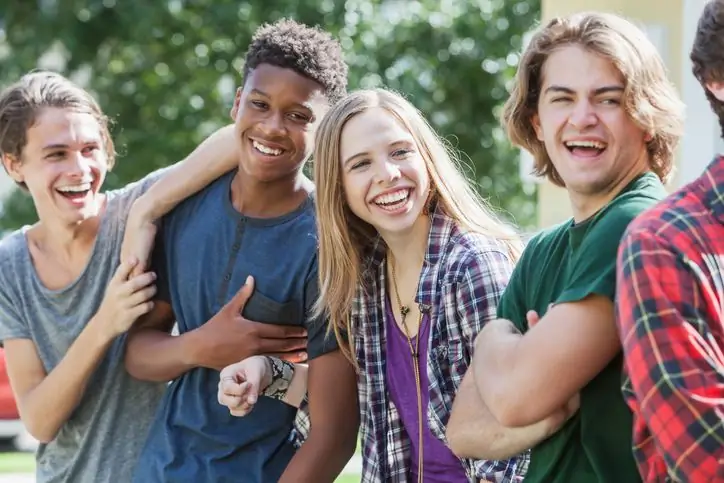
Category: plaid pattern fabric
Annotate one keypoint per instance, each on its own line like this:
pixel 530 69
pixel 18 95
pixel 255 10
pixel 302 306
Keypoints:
pixel 462 279
pixel 670 315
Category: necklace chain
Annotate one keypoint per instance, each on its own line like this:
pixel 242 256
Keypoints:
pixel 414 352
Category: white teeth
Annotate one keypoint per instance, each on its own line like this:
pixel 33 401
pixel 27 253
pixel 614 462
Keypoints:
pixel 390 198
pixel 266 149
pixel 79 188
pixel 585 144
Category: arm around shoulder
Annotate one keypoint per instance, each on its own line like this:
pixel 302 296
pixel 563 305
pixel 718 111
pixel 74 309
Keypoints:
pixel 215 156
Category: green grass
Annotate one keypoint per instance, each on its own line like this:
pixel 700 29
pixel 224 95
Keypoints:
pixel 25 463
pixel 17 462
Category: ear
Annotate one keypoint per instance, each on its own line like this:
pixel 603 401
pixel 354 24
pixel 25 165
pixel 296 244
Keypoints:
pixel 12 166
pixel 237 100
pixel 717 89
pixel 535 121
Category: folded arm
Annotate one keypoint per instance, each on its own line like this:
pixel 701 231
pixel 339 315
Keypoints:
pixel 554 360
pixel 670 319
pixel 473 432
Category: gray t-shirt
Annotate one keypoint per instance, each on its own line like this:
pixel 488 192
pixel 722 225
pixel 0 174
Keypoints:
pixel 102 439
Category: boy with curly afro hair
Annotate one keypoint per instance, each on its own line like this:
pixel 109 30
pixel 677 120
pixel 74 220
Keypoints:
pixel 237 269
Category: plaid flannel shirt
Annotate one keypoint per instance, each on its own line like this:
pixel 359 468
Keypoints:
pixel 462 279
pixel 670 315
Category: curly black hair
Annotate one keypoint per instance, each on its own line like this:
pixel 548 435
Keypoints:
pixel 706 53
pixel 309 51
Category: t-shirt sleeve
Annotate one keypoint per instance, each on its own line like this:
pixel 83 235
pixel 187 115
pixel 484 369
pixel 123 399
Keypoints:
pixel 12 325
pixel 593 271
pixel 479 290
pixel 122 198
pixel 512 305
pixel 320 337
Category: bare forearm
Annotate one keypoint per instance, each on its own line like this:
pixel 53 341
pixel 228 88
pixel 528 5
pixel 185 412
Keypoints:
pixel 297 389
pixel 155 355
pixel 45 408
pixel 321 458
pixel 215 156
pixel 494 371
pixel 473 432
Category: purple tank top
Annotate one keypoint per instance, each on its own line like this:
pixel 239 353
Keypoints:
pixel 440 465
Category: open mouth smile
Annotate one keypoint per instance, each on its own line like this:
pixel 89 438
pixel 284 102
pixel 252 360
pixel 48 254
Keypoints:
pixel 394 200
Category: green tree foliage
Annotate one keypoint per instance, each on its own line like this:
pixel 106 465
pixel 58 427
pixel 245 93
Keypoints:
pixel 165 71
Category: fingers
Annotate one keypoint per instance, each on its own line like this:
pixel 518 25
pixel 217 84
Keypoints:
pixel 238 301
pixel 574 404
pixel 124 270
pixel 238 397
pixel 229 394
pixel 139 310
pixel 232 372
pixel 532 318
pixel 293 357
pixel 141 296
pixel 280 332
pixel 137 283
pixel 139 269
pixel 298 344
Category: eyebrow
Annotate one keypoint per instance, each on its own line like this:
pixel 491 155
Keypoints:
pixel 306 106
pixel 596 92
pixel 51 147
pixel 364 153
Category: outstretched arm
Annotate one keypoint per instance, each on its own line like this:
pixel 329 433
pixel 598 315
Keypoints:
pixel 215 156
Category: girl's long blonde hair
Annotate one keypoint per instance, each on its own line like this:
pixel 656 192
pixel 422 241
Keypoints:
pixel 344 239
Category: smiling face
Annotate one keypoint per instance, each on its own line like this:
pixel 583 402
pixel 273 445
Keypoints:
pixel 592 141
pixel 63 165
pixel 275 113
pixel 384 176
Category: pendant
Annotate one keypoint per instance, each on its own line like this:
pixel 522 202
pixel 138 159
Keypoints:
pixel 404 310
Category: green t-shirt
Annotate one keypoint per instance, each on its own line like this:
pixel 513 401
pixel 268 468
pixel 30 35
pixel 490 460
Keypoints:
pixel 565 264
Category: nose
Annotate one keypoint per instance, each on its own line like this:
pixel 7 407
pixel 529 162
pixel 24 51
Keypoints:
pixel 273 124
pixel 583 115
pixel 80 164
pixel 387 171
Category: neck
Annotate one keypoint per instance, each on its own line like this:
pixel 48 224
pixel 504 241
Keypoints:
pixel 269 199
pixel 408 249
pixel 64 241
pixel 585 206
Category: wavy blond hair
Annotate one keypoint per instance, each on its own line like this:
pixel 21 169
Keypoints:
pixel 344 239
pixel 650 99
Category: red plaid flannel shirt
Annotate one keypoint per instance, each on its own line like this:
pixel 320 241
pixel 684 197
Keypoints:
pixel 670 315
